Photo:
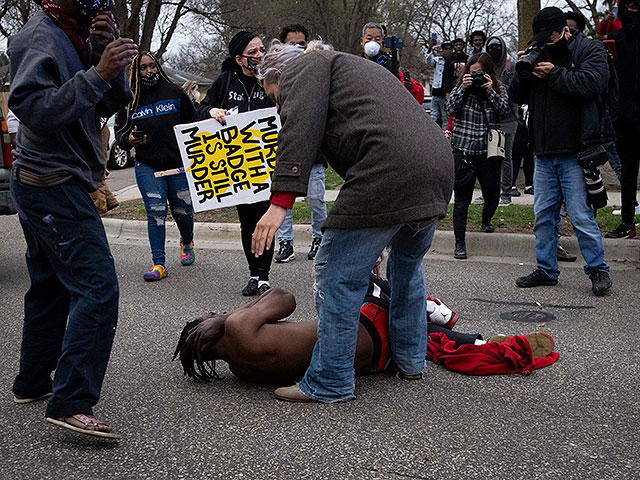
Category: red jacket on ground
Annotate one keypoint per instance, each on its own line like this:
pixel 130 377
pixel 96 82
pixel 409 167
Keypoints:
pixel 512 356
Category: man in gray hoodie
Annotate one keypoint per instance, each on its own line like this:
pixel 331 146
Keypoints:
pixel 67 76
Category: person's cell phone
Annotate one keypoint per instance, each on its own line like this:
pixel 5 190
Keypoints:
pixel 138 133
pixel 406 75
pixel 610 45
pixel 434 36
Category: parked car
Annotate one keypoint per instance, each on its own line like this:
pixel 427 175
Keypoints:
pixel 7 206
pixel 118 157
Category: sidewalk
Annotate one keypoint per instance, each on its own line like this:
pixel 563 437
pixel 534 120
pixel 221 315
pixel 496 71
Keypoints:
pixel 507 245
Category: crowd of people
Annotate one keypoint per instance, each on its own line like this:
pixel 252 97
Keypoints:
pixel 555 103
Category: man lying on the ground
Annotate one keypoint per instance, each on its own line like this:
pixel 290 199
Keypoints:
pixel 260 348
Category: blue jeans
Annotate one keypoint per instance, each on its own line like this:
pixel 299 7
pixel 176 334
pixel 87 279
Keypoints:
pixel 317 205
pixel 342 267
pixel 509 128
pixel 155 193
pixel 438 112
pixel 557 178
pixel 71 307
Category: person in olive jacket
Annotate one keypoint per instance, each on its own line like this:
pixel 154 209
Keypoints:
pixel 398 169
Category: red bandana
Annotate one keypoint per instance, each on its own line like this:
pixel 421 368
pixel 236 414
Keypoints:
pixel 78 32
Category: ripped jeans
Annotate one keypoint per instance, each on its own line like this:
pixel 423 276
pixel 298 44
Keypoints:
pixel 342 266
pixel 155 193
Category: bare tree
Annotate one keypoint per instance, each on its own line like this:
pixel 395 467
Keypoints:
pixel 593 11
pixel 14 14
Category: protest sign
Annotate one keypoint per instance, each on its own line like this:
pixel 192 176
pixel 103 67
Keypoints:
pixel 229 164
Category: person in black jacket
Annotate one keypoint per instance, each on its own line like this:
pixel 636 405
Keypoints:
pixel 236 88
pixel 147 124
pixel 563 92
pixel 628 122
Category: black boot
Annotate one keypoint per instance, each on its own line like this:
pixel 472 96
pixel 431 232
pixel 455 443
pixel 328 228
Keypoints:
pixel 461 249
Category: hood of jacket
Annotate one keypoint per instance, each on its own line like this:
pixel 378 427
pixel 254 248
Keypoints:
pixel 500 64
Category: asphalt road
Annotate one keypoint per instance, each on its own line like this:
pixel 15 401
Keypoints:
pixel 577 419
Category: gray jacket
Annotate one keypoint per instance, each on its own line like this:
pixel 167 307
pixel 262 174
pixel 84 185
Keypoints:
pixel 397 164
pixel 59 103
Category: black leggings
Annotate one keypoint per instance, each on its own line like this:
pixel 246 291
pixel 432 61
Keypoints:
pixel 488 173
pixel 249 215
pixel 628 137
pixel 522 152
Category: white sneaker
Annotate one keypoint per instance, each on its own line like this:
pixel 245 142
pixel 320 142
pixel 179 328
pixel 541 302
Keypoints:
pixel 478 200
pixel 442 315
pixel 504 203
pixel 619 212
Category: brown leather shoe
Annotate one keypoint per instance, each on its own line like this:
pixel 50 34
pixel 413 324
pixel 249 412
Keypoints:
pixel 292 394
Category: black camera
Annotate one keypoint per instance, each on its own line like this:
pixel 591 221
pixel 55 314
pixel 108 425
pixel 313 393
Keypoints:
pixel 477 79
pixel 532 56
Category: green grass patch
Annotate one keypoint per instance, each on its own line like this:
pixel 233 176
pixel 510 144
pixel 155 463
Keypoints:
pixel 511 219
pixel 332 180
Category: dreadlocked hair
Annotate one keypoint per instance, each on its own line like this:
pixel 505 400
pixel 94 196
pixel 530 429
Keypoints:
pixel 134 82
pixel 192 363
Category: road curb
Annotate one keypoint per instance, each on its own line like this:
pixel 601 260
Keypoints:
pixel 509 245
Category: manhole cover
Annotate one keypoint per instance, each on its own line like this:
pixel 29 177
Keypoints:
pixel 527 316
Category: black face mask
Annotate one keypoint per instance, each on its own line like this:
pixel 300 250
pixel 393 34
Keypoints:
pixel 631 22
pixel 495 54
pixel 150 80
pixel 559 46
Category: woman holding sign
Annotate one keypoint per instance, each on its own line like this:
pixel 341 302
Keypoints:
pixel 399 175
pixel 236 89
pixel 147 125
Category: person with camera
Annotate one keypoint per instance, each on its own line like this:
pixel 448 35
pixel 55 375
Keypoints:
pixel 477 102
pixel 562 78
pixel 372 41
pixel 147 125
pixel 627 125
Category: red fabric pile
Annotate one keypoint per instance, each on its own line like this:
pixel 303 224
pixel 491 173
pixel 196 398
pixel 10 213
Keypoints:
pixel 512 356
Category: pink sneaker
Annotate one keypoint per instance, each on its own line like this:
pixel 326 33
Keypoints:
pixel 157 272
pixel 187 255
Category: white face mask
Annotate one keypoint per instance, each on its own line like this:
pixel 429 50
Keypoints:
pixel 196 95
pixel 371 49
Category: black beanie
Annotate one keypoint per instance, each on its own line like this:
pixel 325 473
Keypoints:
pixel 239 42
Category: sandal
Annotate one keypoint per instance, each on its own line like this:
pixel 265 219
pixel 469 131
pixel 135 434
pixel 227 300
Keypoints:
pixel 21 400
pixel 85 424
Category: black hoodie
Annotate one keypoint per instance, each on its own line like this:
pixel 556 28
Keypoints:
pixel 159 109
pixel 628 67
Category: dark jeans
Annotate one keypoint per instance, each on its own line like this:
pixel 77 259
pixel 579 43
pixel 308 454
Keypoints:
pixel 522 153
pixel 488 174
pixel 628 146
pixel 249 215
pixel 71 308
